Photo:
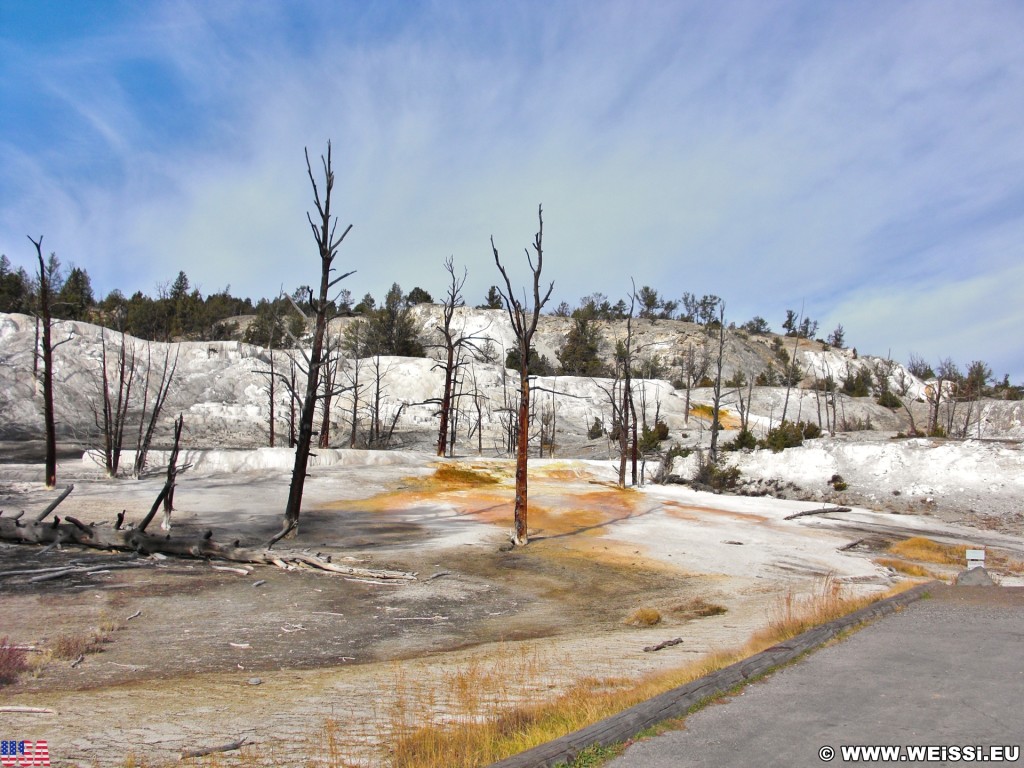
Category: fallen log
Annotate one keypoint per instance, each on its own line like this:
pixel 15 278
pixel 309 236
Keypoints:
pixel 212 750
pixel 54 504
pixel 664 644
pixel 201 546
pixel 16 710
pixel 822 511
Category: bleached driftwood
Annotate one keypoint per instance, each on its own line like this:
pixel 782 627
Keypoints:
pixel 16 710
pixel 202 546
pixel 822 511
pixel 212 750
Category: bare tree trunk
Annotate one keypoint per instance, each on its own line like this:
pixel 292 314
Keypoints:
pixel 45 318
pixel 327 243
pixel 111 418
pixel 446 395
pixel 355 405
pixel 792 372
pixel 163 388
pixel 524 323
pixel 172 473
pixel 330 375
pixel 293 396
pixel 715 424
pixel 272 386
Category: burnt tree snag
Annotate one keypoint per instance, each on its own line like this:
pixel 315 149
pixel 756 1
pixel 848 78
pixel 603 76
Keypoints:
pixel 324 232
pixel 524 324
pixel 46 318
pixel 716 425
pixel 455 342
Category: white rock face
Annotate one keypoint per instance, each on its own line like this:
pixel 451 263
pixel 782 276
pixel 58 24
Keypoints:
pixel 223 388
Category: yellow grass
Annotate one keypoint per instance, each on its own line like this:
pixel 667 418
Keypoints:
pixel 927 551
pixel 644 617
pixel 73 646
pixel 902 566
pixel 994 560
pixel 481 738
pixel 698 607
pixel 489 710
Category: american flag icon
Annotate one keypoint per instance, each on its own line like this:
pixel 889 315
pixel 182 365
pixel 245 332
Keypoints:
pixel 24 754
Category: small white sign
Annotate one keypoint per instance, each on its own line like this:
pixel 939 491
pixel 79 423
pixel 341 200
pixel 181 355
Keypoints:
pixel 975 558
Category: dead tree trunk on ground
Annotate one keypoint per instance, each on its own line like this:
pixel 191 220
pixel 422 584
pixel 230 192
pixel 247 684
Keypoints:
pixel 135 539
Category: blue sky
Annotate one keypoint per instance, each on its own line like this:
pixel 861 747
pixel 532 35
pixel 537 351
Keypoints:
pixel 864 160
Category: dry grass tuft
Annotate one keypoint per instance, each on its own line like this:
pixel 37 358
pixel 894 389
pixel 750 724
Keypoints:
pixel 902 566
pixel 792 614
pixel 643 617
pixel 927 551
pixel 489 732
pixel 1004 564
pixel 13 661
pixel 488 710
pixel 73 646
pixel 110 624
pixel 698 607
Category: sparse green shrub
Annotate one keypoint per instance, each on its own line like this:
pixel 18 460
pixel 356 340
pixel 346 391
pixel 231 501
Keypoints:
pixel 888 400
pixel 858 384
pixel 827 384
pixel 789 435
pixel 838 483
pixel 744 439
pixel 651 438
pixel 769 377
pixel 738 380
pixel 716 477
pixel 596 429
pixel 677 451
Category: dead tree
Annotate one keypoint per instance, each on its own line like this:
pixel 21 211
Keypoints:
pixel 331 363
pixel 353 344
pixel 694 367
pixel 792 371
pixel 272 331
pixel 112 415
pixel 524 324
pixel 45 317
pixel 172 472
pixel 716 425
pixel 147 425
pixel 328 242
pixel 454 342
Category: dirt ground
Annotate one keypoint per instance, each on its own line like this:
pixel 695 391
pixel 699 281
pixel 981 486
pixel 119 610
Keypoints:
pixel 192 655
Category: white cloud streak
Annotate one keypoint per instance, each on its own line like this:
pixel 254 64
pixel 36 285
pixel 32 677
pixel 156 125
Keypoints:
pixel 865 158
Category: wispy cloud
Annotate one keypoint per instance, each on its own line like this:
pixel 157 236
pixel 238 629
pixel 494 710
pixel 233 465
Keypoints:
pixel 864 159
